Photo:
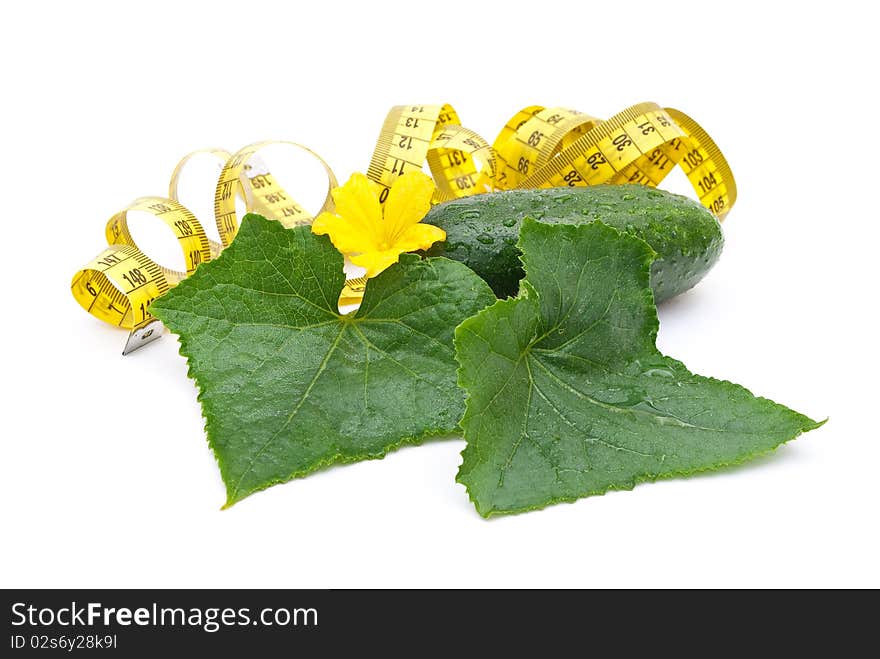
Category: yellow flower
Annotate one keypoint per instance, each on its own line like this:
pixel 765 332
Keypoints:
pixel 371 236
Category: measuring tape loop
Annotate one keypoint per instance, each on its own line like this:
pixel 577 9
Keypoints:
pixel 119 284
pixel 263 195
pixel 538 147
pixel 415 134
pixel 221 156
pixel 643 144
pixel 546 147
pixel 187 229
pixel 532 137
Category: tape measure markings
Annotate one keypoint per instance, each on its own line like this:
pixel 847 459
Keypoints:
pixel 187 229
pixel 591 140
pixel 631 146
pixel 262 192
pixel 721 186
pixel 531 141
pixel 119 284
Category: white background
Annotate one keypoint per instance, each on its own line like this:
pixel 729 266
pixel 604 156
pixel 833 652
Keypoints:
pixel 106 476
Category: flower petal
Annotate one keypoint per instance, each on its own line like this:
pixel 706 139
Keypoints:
pixel 346 236
pixel 358 203
pixel 409 200
pixel 376 261
pixel 419 236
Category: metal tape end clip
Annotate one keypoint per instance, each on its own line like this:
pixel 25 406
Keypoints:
pixel 142 335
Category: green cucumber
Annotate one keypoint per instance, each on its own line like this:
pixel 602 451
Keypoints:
pixel 482 230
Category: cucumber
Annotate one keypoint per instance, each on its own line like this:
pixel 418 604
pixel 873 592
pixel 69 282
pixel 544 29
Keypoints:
pixel 482 230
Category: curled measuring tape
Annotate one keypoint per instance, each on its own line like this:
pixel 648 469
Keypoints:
pixel 415 134
pixel 119 284
pixel 548 147
pixel 537 147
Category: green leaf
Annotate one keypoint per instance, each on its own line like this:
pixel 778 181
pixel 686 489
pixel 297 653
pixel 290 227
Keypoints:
pixel 568 396
pixel 287 384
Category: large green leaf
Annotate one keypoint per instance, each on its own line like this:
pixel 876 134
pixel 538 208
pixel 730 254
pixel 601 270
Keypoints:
pixel 567 395
pixel 287 384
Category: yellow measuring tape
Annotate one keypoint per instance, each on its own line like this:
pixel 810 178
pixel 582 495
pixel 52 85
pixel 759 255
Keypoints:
pixel 537 147
pixel 547 147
